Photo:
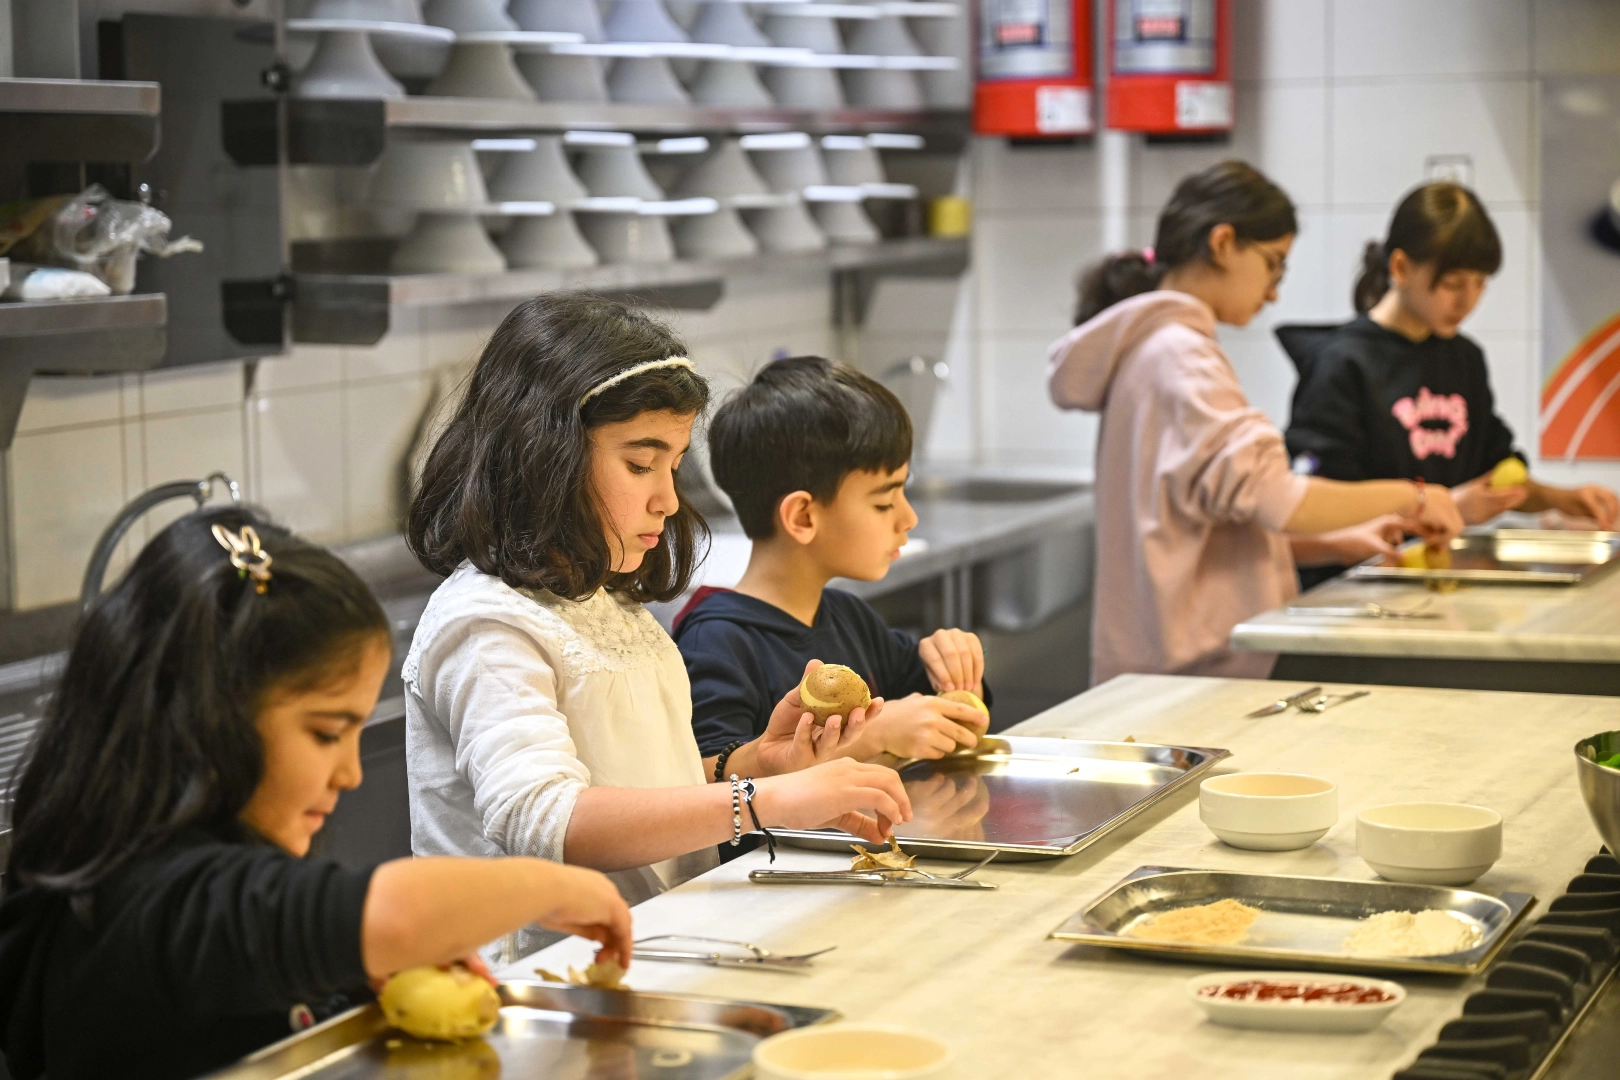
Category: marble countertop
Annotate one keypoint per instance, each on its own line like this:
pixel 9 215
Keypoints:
pixel 1572 623
pixel 977 968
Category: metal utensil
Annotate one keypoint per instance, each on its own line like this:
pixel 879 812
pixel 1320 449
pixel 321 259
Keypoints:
pixel 903 878
pixel 759 958
pixel 1283 704
pixel 910 876
pixel 1328 701
pixel 1368 611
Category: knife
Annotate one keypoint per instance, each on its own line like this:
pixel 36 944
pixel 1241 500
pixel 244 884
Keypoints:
pixel 1283 704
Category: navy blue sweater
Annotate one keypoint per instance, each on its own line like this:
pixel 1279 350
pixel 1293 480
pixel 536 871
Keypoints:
pixel 743 656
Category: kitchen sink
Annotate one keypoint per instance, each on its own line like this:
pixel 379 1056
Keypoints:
pixel 985 490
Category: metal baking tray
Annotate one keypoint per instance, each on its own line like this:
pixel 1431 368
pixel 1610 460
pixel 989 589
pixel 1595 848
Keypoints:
pixel 1027 798
pixel 1512 557
pixel 545 1030
pixel 1303 920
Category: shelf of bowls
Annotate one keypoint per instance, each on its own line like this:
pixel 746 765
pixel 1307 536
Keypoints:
pixel 753 54
pixel 586 198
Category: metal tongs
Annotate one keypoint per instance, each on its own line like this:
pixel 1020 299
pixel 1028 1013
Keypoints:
pixel 759 958
pixel 911 877
pixel 1367 611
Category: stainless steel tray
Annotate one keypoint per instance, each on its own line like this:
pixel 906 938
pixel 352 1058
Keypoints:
pixel 1027 798
pixel 1512 557
pixel 545 1030
pixel 1303 921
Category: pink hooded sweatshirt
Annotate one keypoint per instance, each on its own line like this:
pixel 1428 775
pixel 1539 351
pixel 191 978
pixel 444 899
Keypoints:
pixel 1193 490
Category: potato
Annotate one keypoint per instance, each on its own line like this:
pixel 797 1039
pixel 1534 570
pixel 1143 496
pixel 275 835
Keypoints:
pixel 966 697
pixel 432 1003
pixel 1509 472
pixel 833 690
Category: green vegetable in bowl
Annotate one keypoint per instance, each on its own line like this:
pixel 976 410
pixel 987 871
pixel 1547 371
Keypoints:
pixel 1610 762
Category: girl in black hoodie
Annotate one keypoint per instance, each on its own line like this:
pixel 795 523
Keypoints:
pixel 159 919
pixel 1399 393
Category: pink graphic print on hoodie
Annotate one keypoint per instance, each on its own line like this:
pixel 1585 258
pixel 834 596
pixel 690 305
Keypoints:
pixel 1449 409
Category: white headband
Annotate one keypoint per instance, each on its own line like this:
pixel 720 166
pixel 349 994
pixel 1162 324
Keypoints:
pixel 628 373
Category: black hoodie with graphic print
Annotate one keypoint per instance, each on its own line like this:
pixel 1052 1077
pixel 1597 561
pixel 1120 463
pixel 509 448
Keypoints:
pixel 1372 404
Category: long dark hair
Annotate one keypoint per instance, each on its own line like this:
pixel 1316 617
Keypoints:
pixel 1231 193
pixel 507 486
pixel 152 733
pixel 1440 224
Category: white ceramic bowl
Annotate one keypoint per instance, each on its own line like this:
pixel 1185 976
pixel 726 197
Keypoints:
pixel 1429 843
pixel 1294 1015
pixel 1269 811
pixel 852 1052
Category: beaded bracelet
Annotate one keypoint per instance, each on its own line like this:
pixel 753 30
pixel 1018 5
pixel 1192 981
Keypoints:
pixel 736 812
pixel 725 754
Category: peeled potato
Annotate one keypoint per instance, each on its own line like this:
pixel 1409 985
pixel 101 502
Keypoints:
pixel 833 690
pixel 1415 558
pixel 431 1003
pixel 966 697
pixel 1509 472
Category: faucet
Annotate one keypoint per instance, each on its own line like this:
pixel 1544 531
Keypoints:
pixel 200 490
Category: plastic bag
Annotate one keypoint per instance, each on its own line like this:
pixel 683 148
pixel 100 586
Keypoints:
pixel 103 235
pixel 51 283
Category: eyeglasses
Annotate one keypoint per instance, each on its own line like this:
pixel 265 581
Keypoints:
pixel 1276 265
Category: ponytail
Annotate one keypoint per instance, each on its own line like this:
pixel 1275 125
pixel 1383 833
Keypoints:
pixel 1442 225
pixel 1230 193
pixel 1117 277
pixel 1373 281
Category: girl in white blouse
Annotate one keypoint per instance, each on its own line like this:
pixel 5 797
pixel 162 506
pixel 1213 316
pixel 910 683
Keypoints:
pixel 547 712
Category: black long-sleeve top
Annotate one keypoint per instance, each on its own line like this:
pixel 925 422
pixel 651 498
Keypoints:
pixel 180 963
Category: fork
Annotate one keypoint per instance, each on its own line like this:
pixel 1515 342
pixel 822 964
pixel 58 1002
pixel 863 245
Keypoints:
pixel 960 875
pixel 1328 701
pixel 761 958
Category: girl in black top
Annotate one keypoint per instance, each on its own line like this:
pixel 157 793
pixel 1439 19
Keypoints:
pixel 159 920
pixel 1399 393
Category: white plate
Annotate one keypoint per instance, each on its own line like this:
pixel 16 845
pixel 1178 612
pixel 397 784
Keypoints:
pixel 365 26
pixel 1294 1016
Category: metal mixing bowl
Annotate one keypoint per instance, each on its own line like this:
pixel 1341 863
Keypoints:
pixel 1600 786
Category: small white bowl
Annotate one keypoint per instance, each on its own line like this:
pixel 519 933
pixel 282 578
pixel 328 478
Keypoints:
pixel 1294 1015
pixel 1269 811
pixel 1429 843
pixel 852 1052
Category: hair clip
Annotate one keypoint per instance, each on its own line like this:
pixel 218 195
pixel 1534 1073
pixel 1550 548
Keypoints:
pixel 250 560
pixel 1147 253
pixel 628 373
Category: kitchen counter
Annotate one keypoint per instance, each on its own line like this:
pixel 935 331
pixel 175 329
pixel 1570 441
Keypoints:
pixel 977 969
pixel 1546 638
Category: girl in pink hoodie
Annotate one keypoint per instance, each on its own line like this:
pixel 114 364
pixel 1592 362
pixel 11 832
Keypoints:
pixel 1198 517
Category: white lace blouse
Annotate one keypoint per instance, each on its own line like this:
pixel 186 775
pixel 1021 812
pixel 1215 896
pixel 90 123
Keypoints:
pixel 516 701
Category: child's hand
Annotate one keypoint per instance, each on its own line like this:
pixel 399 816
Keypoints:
pixel 1477 501
pixel 922 726
pixel 954 659
pixel 1589 501
pixel 866 800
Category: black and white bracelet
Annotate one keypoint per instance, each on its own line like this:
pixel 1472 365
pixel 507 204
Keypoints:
pixel 748 793
pixel 736 811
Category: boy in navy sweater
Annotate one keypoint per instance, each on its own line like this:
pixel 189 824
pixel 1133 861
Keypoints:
pixel 814 456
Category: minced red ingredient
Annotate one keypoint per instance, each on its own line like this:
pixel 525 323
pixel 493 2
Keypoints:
pixel 1304 993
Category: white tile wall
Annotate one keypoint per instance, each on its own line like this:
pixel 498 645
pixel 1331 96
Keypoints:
pixel 1403 39
pixel 1383 133
pixel 298 471
pixel 1279 39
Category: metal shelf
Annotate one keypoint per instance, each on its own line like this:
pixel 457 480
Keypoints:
pixel 354 309
pixel 79 120
pixel 335 132
pixel 76 337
